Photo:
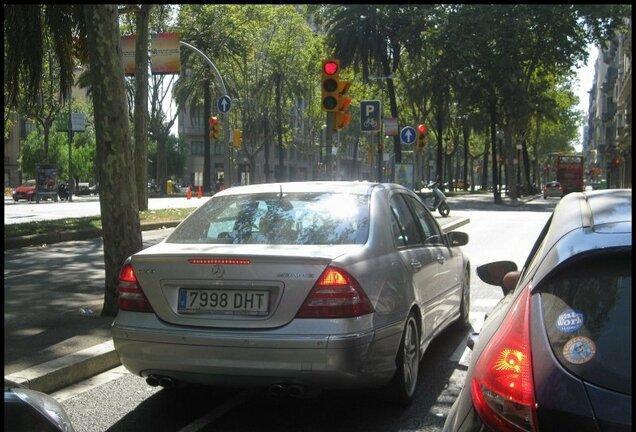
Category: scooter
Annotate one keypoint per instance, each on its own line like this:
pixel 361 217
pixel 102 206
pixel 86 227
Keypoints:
pixel 63 191
pixel 439 202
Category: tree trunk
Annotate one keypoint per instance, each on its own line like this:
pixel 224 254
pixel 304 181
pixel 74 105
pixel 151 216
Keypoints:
pixel 141 106
pixel 511 152
pixel 397 144
pixel 493 152
pixel 466 136
pixel 279 129
pixel 440 146
pixel 207 142
pixel 117 192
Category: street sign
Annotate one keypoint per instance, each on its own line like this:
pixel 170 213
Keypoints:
pixel 407 135
pixel 224 104
pixel 370 116
pixel 78 122
pixel 391 126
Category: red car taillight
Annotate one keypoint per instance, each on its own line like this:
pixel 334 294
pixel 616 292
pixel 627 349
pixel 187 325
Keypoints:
pixel 131 297
pixel 502 387
pixel 336 295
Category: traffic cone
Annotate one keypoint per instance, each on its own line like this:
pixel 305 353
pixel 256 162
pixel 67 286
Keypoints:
pixel 189 193
pixel 200 193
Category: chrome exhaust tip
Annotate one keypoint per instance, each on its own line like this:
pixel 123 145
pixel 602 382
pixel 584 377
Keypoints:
pixel 295 390
pixel 152 381
pixel 167 382
pixel 277 390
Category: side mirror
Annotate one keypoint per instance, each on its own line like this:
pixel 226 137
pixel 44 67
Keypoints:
pixel 510 281
pixel 457 238
pixel 497 273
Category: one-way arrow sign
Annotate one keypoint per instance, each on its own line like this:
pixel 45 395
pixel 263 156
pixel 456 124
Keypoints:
pixel 224 104
pixel 407 135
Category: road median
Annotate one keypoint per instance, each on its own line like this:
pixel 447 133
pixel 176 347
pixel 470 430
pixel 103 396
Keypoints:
pixel 79 234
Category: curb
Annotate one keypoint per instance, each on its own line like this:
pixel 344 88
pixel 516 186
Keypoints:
pixel 60 373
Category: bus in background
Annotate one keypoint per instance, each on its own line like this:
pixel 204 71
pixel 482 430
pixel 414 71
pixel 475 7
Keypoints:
pixel 569 172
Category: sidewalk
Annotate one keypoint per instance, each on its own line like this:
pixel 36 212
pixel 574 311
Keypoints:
pixel 81 346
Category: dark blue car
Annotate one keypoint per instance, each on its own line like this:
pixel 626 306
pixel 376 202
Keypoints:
pixel 556 353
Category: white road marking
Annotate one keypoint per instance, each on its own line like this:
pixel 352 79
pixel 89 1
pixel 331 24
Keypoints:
pixel 220 410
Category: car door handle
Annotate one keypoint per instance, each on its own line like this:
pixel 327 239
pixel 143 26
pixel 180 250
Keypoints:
pixel 416 265
pixel 441 259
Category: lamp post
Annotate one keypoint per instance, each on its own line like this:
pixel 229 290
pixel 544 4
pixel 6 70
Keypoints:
pixel 500 160
pixel 391 76
pixel 71 181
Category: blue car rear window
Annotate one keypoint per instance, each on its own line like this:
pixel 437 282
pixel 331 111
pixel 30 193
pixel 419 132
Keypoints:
pixel 587 311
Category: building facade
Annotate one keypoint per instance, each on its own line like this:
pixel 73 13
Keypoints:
pixel 607 141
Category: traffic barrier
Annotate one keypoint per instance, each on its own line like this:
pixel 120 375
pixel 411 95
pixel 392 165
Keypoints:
pixel 200 193
pixel 189 193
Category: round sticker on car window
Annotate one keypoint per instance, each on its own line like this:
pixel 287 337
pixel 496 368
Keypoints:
pixel 579 350
pixel 569 321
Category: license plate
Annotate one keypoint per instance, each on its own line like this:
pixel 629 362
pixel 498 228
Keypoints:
pixel 223 301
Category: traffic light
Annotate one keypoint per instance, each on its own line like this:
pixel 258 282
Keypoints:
pixel 329 85
pixel 236 138
pixel 342 118
pixel 214 128
pixel 421 136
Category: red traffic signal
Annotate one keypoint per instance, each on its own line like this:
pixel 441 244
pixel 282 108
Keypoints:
pixel 421 136
pixel 329 85
pixel 330 67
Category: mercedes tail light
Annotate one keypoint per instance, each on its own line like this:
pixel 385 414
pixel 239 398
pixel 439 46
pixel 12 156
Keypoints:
pixel 336 294
pixel 502 387
pixel 131 296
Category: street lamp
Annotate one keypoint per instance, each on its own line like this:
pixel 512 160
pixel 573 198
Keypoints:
pixel 500 160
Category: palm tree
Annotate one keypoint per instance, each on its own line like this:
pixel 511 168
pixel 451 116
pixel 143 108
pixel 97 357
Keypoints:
pixel 97 30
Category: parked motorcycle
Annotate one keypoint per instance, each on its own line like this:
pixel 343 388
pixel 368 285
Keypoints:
pixel 63 191
pixel 439 202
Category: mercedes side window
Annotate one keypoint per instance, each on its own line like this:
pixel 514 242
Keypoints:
pixel 432 235
pixel 407 224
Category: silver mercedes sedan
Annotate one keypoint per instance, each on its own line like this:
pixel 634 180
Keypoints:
pixel 294 286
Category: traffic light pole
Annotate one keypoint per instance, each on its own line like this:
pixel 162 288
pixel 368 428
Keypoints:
pixel 226 119
pixel 329 143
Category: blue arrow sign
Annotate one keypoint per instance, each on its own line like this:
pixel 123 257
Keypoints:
pixel 407 135
pixel 224 104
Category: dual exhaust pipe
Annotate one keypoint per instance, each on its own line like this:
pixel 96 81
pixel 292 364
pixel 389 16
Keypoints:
pixel 293 390
pixel 160 380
